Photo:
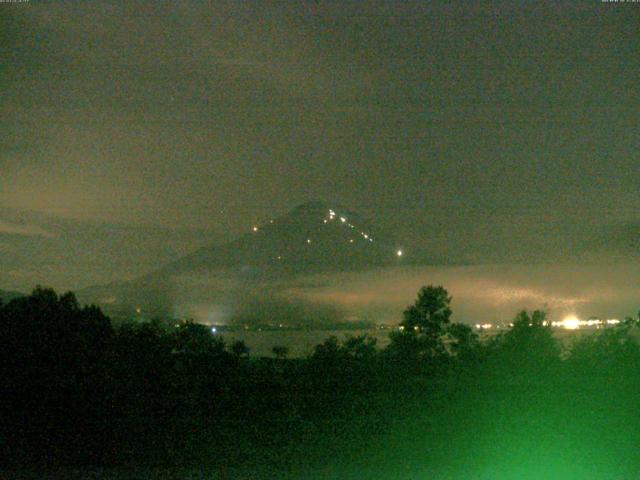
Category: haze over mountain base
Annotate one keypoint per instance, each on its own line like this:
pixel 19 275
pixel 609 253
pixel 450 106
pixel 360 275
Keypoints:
pixel 484 293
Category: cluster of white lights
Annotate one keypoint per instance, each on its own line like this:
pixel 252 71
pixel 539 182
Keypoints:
pixel 332 216
pixel 573 323
pixel 484 326
pixel 343 220
pixel 416 328
pixel 568 323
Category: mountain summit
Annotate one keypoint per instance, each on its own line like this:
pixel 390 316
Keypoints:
pixel 314 236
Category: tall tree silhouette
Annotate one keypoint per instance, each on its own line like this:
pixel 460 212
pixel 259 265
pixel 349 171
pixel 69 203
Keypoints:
pixel 530 341
pixel 424 324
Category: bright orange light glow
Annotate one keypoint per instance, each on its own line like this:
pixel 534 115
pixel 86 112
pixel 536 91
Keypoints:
pixel 571 322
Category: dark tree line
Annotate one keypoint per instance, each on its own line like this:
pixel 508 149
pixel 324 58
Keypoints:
pixel 78 390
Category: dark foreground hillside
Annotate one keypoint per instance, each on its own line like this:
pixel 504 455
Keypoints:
pixel 85 399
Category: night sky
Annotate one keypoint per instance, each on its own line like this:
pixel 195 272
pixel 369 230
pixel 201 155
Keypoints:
pixel 134 132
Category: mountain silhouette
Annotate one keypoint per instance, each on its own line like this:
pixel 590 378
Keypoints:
pixel 313 237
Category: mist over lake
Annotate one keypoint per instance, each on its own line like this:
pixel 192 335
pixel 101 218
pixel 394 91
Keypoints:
pixel 481 293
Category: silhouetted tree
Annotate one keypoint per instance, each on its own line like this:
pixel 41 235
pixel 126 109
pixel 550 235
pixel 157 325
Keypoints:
pixel 52 367
pixel 239 349
pixel 194 338
pixel 280 351
pixel 529 342
pixel 361 347
pixel 632 321
pixel 328 352
pixel 463 341
pixel 610 349
pixel 430 313
pixel 423 326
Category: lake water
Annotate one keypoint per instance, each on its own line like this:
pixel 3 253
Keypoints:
pixel 299 342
